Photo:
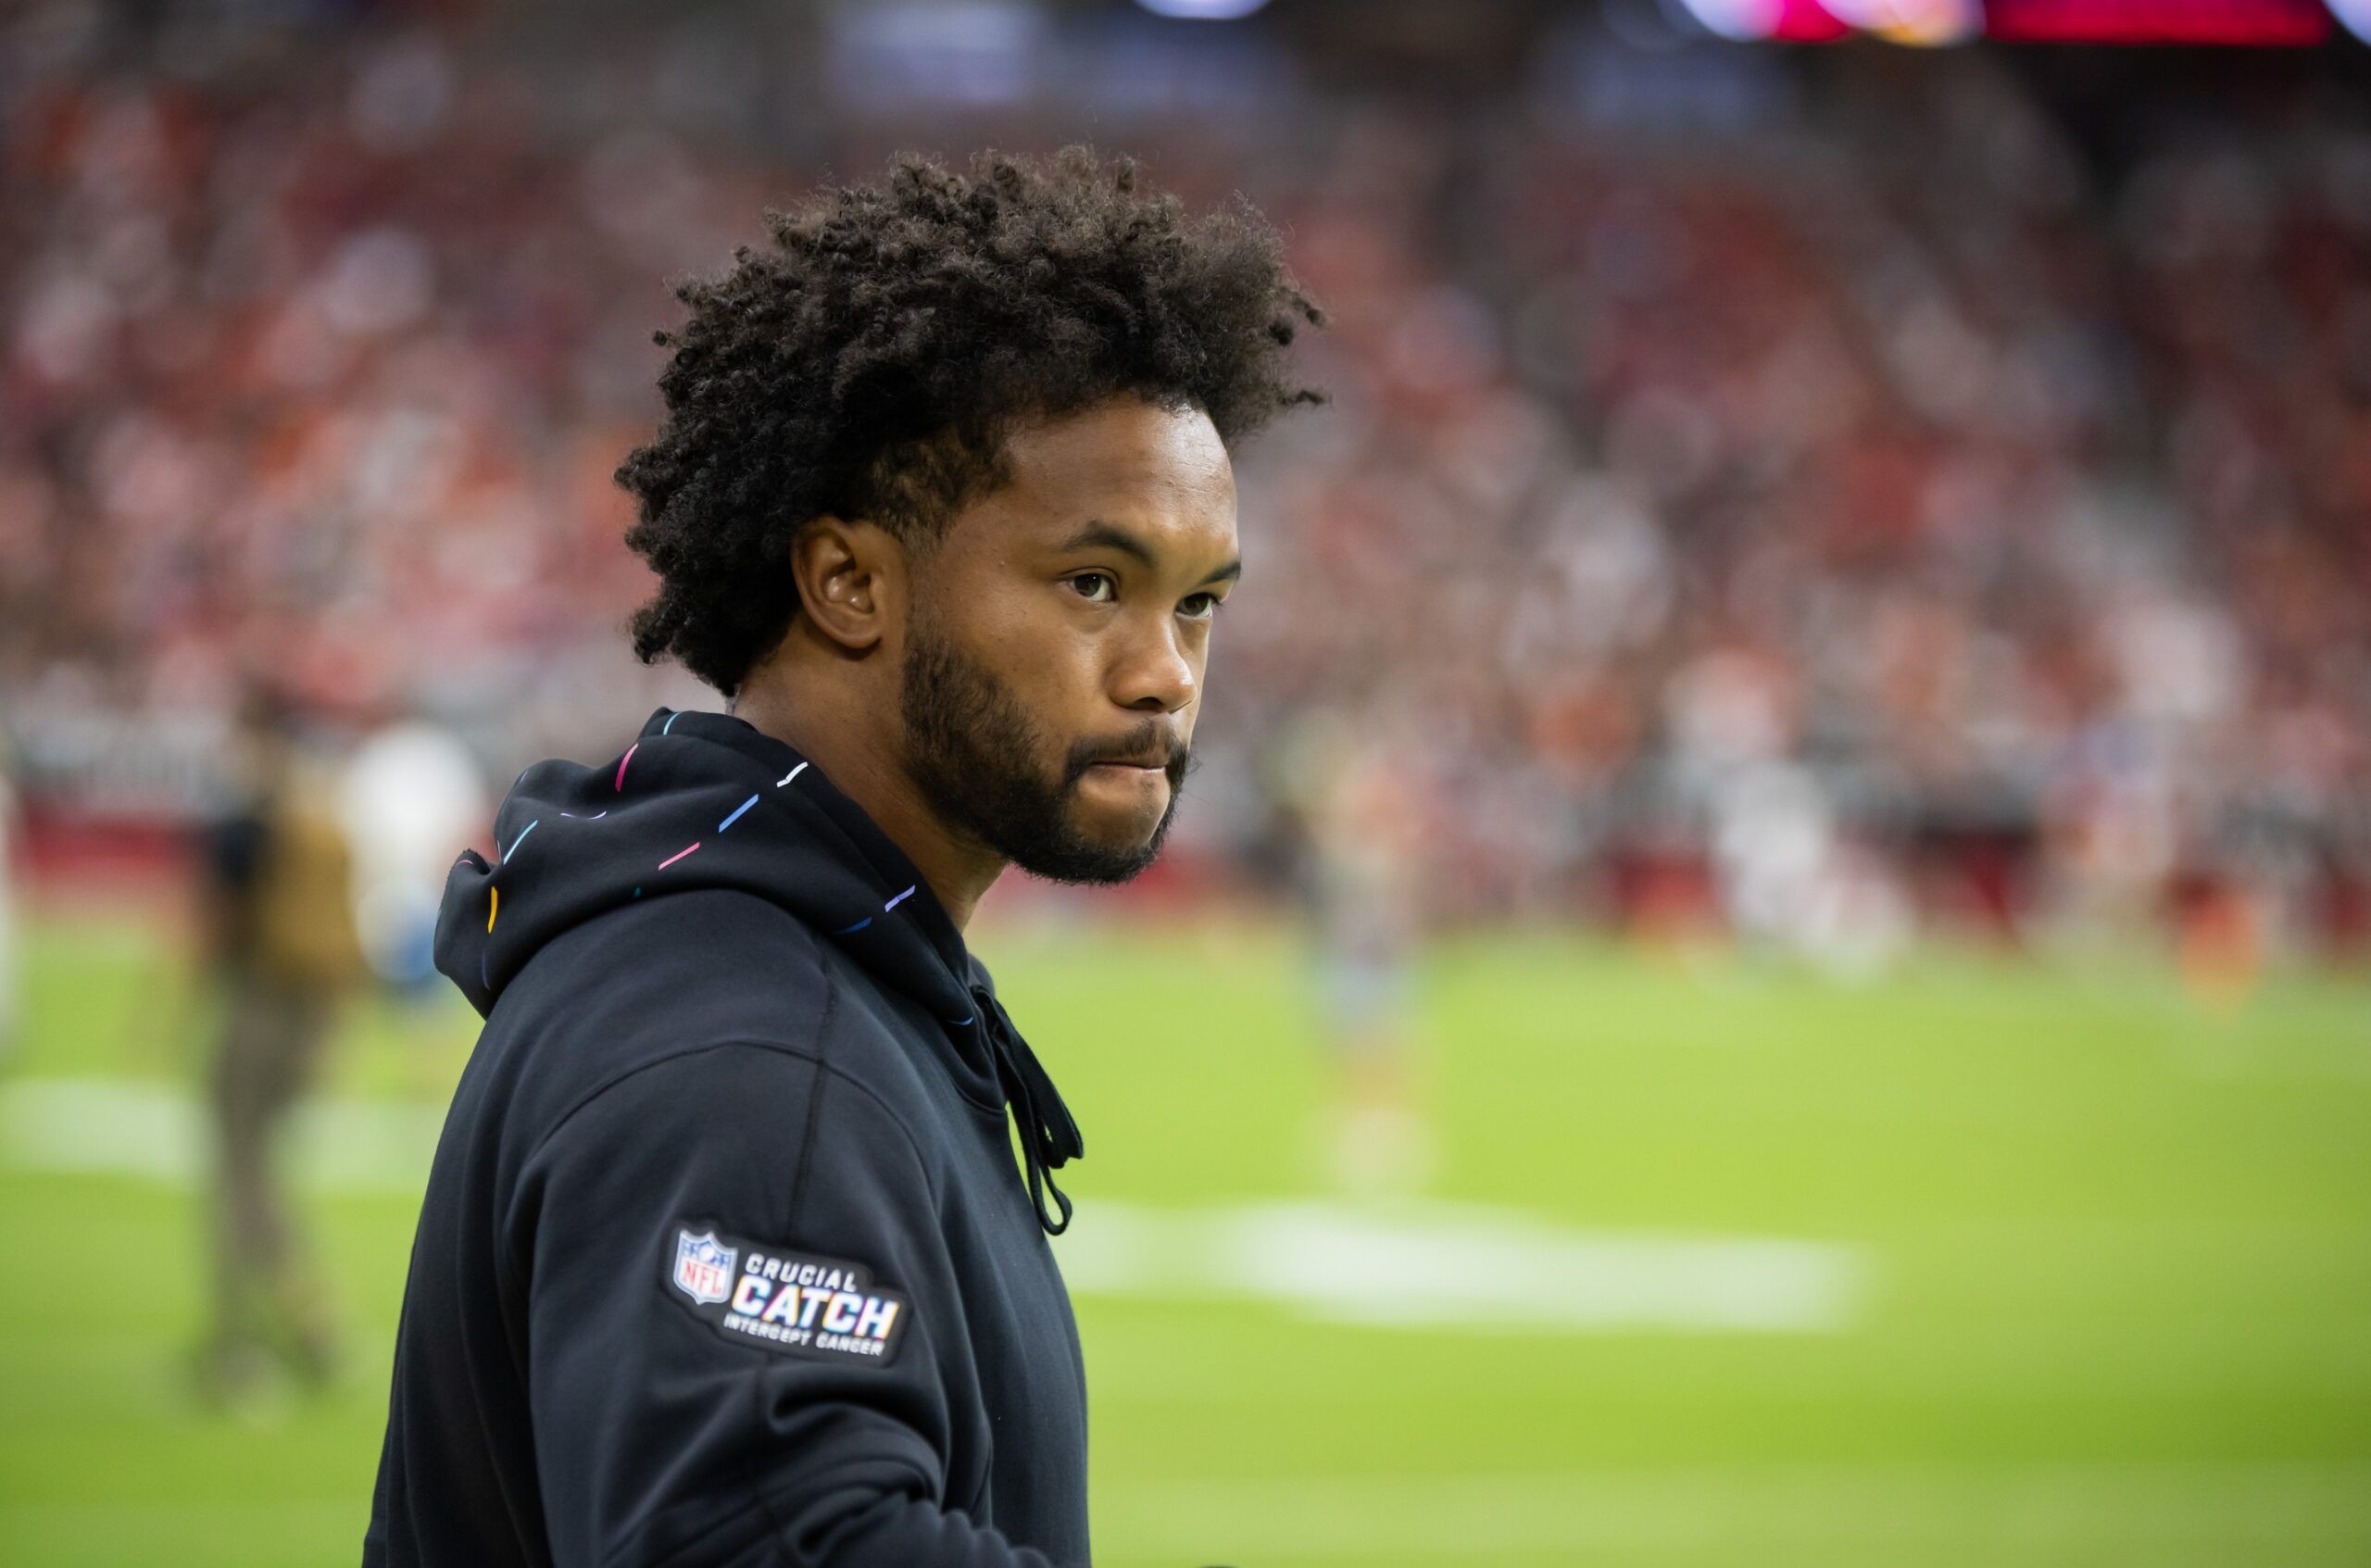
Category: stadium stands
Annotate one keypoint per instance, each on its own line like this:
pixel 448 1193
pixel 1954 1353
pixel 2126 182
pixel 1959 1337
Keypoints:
pixel 1757 513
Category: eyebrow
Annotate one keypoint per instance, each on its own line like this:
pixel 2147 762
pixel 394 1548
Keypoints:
pixel 1110 537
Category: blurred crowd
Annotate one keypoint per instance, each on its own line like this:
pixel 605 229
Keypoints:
pixel 1791 522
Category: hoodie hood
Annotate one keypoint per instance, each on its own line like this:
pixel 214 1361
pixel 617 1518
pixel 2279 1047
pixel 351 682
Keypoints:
pixel 705 800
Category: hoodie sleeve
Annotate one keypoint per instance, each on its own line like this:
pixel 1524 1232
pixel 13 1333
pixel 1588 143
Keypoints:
pixel 734 1280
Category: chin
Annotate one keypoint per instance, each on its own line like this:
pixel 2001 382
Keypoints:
pixel 1119 836
pixel 1093 859
pixel 1136 847
pixel 1088 871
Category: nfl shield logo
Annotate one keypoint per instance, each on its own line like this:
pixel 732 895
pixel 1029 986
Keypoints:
pixel 703 1267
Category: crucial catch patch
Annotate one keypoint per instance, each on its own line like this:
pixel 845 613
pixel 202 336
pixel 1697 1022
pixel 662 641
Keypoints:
pixel 758 1293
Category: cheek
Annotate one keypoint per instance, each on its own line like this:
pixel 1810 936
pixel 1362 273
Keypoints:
pixel 1046 661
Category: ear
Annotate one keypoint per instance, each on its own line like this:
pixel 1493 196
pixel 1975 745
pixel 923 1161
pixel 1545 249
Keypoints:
pixel 852 580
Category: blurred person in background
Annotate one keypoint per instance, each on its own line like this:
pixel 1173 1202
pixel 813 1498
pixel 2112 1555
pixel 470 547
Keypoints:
pixel 1359 824
pixel 411 791
pixel 11 981
pixel 276 930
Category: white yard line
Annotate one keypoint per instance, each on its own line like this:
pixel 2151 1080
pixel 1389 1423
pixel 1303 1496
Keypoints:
pixel 1411 1266
pixel 101 1126
pixel 1471 1268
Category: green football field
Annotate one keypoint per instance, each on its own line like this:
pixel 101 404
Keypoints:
pixel 1723 1262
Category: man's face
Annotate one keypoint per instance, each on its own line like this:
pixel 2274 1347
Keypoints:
pixel 1056 641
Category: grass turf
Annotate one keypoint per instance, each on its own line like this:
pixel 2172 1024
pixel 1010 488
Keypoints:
pixel 2121 1310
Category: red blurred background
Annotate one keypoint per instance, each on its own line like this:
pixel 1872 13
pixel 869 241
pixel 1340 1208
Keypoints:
pixel 1928 488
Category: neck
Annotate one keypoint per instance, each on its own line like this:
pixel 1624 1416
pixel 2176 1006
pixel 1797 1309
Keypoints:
pixel 840 731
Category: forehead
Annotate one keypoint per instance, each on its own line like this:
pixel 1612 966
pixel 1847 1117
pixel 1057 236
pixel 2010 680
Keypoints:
pixel 1162 472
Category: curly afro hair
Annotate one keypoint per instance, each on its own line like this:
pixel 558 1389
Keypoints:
pixel 872 361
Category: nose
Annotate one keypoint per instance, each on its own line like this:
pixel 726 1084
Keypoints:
pixel 1156 677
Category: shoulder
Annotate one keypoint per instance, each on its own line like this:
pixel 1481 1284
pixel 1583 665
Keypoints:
pixel 714 998
pixel 747 1141
pixel 703 966
pixel 641 985
pixel 758 1109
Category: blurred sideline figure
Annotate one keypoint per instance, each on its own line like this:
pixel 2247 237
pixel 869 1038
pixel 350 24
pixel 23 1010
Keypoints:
pixel 1358 822
pixel 411 792
pixel 11 1003
pixel 277 933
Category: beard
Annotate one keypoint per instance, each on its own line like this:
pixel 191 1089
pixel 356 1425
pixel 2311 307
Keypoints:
pixel 974 752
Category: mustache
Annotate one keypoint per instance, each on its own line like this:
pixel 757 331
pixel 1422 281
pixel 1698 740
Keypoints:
pixel 1179 759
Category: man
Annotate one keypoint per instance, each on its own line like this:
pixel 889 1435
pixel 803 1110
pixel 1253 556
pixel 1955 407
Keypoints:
pixel 725 1258
pixel 276 928
pixel 1361 826
pixel 10 1007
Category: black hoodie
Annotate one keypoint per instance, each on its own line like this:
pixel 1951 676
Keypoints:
pixel 725 1258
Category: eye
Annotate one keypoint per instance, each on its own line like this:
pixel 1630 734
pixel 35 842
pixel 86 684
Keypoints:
pixel 1208 612
pixel 1095 577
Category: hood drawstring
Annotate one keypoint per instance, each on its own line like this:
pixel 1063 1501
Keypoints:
pixel 1049 1136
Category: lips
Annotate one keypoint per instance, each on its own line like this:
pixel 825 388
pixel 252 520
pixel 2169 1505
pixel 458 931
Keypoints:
pixel 1148 761
pixel 1161 752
